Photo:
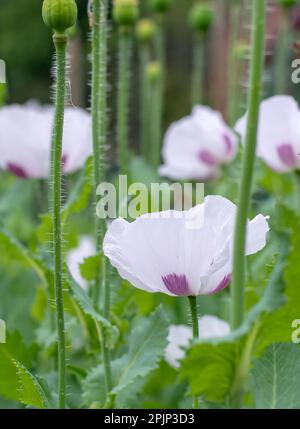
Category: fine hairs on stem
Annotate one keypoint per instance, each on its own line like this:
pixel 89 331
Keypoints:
pixel 195 326
pixel 99 125
pixel 123 96
pixel 60 96
pixel 257 65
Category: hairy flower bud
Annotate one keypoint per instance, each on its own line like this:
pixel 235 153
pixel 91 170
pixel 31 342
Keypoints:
pixel 161 6
pixel 126 12
pixel 201 17
pixel 60 15
pixel 145 30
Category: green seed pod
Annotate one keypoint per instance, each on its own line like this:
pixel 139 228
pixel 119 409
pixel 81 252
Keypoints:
pixel 126 12
pixel 154 71
pixel 287 3
pixel 59 14
pixel 145 30
pixel 201 17
pixel 160 6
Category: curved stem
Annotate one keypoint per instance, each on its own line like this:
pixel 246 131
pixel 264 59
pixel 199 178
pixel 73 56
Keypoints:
pixel 123 98
pixel 195 325
pixel 99 125
pixel 257 62
pixel 60 95
pixel 198 66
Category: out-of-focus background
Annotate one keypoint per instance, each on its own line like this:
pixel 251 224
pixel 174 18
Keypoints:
pixel 26 46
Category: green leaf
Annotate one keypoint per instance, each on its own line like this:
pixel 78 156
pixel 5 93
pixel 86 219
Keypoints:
pixel 89 269
pixel 85 303
pixel 14 251
pixel 80 194
pixel 276 377
pixel 16 382
pixel 147 343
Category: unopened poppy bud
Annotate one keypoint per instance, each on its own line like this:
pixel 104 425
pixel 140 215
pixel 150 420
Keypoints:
pixel 126 12
pixel 145 30
pixel 287 3
pixel 60 15
pixel 201 17
pixel 161 6
pixel 154 71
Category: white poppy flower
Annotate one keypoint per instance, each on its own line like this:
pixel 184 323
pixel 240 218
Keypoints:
pixel 197 146
pixel 25 139
pixel 75 257
pixel 180 336
pixel 181 253
pixel 278 140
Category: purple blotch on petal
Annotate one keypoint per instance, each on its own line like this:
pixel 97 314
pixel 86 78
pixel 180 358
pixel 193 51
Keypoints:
pixel 287 155
pixel 228 144
pixel 17 170
pixel 207 158
pixel 64 159
pixel 223 284
pixel 177 284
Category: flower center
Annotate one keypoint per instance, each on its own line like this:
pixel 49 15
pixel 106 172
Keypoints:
pixel 177 284
pixel 287 155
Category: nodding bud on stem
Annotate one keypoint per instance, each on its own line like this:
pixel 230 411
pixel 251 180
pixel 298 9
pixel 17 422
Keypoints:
pixel 287 3
pixel 60 15
pixel 145 30
pixel 126 12
pixel 154 71
pixel 161 6
pixel 201 17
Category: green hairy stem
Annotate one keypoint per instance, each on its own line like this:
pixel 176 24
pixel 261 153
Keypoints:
pixel 144 93
pixel 60 96
pixel 99 125
pixel 198 69
pixel 195 326
pixel 123 98
pixel 257 65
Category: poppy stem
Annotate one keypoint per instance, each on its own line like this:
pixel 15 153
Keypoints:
pixel 123 97
pixel 297 180
pixel 145 56
pixel 233 64
pixel 257 65
pixel 60 43
pixel 282 54
pixel 195 326
pixel 160 46
pixel 198 69
pixel 99 126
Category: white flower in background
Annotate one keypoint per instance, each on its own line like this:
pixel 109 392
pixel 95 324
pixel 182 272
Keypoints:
pixel 25 139
pixel 197 146
pixel 278 142
pixel 76 257
pixel 161 252
pixel 180 336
